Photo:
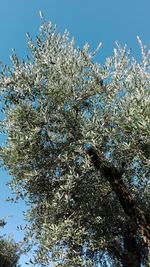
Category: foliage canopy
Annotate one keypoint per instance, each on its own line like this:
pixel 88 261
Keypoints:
pixel 65 114
pixel 9 251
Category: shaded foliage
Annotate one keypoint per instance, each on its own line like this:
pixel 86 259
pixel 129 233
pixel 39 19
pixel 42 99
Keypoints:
pixel 9 251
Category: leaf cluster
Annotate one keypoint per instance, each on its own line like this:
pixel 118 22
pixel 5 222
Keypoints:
pixel 57 104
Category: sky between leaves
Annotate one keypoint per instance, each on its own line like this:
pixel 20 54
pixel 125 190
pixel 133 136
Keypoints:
pixel 91 21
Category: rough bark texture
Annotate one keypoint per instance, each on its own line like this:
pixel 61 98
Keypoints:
pixel 129 205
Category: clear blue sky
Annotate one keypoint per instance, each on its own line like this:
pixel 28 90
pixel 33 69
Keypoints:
pixel 91 21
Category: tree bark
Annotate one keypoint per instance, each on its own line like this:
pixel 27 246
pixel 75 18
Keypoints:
pixel 131 255
pixel 129 205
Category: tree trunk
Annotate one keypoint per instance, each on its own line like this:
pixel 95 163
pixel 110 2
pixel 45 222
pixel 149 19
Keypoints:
pixel 131 256
pixel 129 205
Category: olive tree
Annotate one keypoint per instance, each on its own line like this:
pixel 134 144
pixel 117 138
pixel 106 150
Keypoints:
pixel 9 251
pixel 78 151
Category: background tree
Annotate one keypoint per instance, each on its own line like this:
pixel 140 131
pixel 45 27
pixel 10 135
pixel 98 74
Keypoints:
pixel 9 251
pixel 78 151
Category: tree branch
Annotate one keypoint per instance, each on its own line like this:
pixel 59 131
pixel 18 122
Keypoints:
pixel 129 205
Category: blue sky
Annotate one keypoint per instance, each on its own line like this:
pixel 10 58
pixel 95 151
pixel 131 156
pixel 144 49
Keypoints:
pixel 91 21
